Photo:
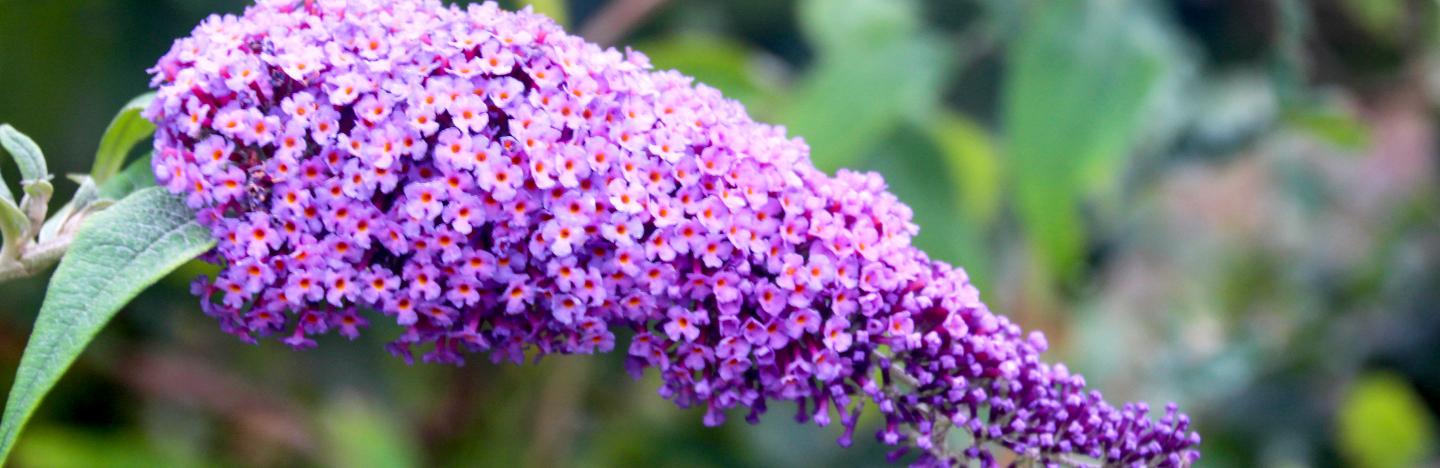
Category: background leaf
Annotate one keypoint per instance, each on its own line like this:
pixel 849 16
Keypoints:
pixel 1079 79
pixel 718 62
pixel 911 162
pixel 555 9
pixel 834 26
pixel 972 161
pixel 361 435
pixel 874 70
pixel 117 254
pixel 1336 128
pixel 1383 423
pixel 127 129
pixel 58 447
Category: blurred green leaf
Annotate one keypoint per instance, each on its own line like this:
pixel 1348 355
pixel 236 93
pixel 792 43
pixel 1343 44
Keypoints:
pixel 1339 129
pixel 127 129
pixel 1080 76
pixel 972 163
pixel 1383 423
pixel 360 435
pixel 115 256
pixel 913 163
pixel 26 153
pixel 875 68
pixel 555 9
pixel 57 447
pixel 715 61
pixel 840 25
pixel 1384 18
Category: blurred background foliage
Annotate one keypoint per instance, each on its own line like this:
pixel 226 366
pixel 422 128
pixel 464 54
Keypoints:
pixel 1227 203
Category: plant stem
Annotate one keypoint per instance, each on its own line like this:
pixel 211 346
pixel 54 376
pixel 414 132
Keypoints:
pixel 35 259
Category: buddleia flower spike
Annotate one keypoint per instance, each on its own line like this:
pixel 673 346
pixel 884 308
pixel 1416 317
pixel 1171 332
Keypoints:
pixel 495 185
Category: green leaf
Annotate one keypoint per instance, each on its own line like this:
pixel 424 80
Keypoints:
pixel 875 69
pixel 359 434
pixel 1339 129
pixel 972 163
pixel 1386 19
pixel 70 447
pixel 1383 423
pixel 136 176
pixel 849 24
pixel 116 254
pixel 716 61
pixel 127 129
pixel 13 226
pixel 26 153
pixel 555 9
pixel 87 193
pixel 911 162
pixel 1080 78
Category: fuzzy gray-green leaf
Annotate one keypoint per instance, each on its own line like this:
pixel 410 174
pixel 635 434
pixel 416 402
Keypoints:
pixel 27 154
pixel 115 255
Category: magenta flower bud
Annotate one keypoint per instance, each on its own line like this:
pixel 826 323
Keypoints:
pixel 493 184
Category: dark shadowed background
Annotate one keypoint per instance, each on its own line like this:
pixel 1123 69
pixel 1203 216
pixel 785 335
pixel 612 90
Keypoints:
pixel 1231 204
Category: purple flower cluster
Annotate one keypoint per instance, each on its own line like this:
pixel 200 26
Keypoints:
pixel 495 184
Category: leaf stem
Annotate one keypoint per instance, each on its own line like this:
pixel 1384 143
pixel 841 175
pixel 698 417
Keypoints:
pixel 35 259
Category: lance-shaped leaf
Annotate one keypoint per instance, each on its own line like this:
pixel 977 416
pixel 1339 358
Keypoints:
pixel 13 226
pixel 117 254
pixel 1081 77
pixel 876 66
pixel 27 154
pixel 127 129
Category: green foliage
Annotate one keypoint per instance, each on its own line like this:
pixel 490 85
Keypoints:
pixel 912 162
pixel 971 161
pixel 26 153
pixel 59 447
pixel 555 9
pixel 875 68
pixel 1384 18
pixel 115 256
pixel 1236 291
pixel 91 197
pixel 18 222
pixel 834 26
pixel 1079 78
pixel 359 434
pixel 718 62
pixel 1336 128
pixel 127 129
pixel 1383 423
pixel 13 226
pixel 137 175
